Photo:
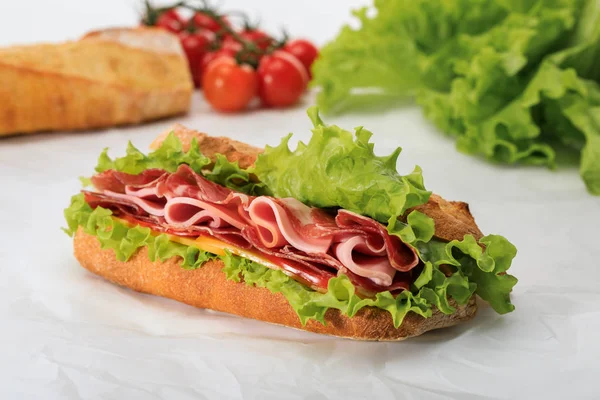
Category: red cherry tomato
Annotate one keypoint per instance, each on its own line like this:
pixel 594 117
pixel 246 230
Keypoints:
pixel 171 21
pixel 304 51
pixel 230 43
pixel 202 20
pixel 195 45
pixel 211 56
pixel 282 79
pixel 228 86
pixel 258 37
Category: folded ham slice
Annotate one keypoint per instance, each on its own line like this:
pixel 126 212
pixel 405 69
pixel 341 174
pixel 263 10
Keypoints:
pixel 183 212
pixel 153 206
pixel 280 225
pixel 353 254
pixel 402 257
pixel 306 241
pixel 186 211
pixel 117 181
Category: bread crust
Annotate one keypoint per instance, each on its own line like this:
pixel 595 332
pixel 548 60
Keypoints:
pixel 453 219
pixel 108 78
pixel 207 287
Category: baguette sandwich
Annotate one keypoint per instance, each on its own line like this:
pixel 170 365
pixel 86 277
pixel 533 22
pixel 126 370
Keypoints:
pixel 107 78
pixel 328 238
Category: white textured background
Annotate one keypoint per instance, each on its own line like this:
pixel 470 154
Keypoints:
pixel 66 334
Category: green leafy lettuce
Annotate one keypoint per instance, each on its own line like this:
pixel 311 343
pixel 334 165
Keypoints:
pixel 168 157
pixel 337 170
pixel 512 81
pixel 171 155
pixel 124 240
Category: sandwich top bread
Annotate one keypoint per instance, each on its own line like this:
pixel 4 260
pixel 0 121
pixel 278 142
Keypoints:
pixel 328 238
pixel 107 78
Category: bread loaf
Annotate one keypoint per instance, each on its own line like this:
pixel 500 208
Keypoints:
pixel 107 78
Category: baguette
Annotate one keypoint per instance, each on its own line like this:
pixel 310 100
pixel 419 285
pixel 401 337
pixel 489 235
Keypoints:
pixel 208 287
pixel 107 78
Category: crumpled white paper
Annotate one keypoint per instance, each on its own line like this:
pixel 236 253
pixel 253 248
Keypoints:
pixel 66 333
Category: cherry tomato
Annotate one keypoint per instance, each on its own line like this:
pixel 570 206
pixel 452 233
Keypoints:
pixel 202 20
pixel 171 21
pixel 258 37
pixel 228 86
pixel 211 56
pixel 195 45
pixel 304 51
pixel 282 79
pixel 229 42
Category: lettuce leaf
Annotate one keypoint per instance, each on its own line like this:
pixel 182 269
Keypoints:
pixel 485 270
pixel 435 288
pixel 170 155
pixel 382 60
pixel 568 114
pixel 230 174
pixel 125 241
pixel 336 170
pixel 512 81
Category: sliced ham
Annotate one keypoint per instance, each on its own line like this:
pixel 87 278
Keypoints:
pixel 116 181
pixel 310 265
pixel 185 182
pixel 307 243
pixel 402 257
pixel 278 227
pixel 184 212
pixel 367 287
pixel 325 259
pixel 132 213
pixel 156 208
pixel 101 200
pixel 351 254
pixel 148 193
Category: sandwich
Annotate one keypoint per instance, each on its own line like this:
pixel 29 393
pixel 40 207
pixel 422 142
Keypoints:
pixel 328 238
pixel 107 78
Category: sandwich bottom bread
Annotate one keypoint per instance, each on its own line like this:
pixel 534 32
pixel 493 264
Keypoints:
pixel 208 287
pixel 328 238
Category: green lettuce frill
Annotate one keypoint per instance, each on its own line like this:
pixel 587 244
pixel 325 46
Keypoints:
pixel 512 81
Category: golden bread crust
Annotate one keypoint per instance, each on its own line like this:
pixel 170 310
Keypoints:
pixel 207 287
pixel 108 78
pixel 453 220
